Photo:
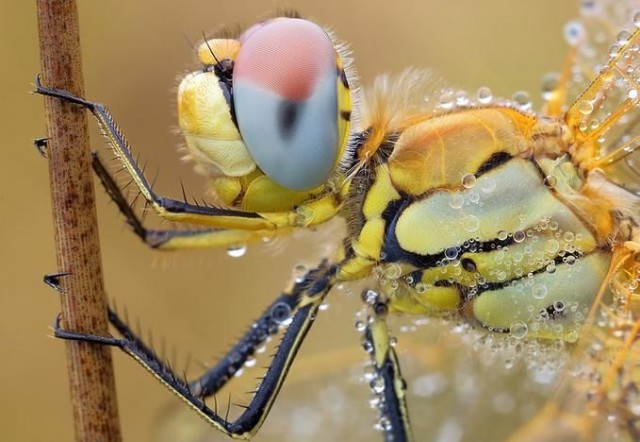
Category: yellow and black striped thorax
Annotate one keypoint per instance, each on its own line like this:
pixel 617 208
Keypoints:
pixel 480 210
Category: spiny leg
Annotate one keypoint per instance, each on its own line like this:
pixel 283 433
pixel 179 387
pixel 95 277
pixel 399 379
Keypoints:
pixel 388 384
pixel 169 238
pixel 268 324
pixel 299 306
pixel 167 208
pixel 165 239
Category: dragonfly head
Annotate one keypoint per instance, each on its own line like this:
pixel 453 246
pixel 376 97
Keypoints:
pixel 270 109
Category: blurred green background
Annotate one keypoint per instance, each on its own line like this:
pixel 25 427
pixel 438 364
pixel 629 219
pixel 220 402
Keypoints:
pixel 133 52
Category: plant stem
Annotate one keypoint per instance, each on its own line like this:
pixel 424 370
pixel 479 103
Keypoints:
pixel 92 385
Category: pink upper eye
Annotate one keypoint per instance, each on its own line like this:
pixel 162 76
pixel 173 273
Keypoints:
pixel 285 56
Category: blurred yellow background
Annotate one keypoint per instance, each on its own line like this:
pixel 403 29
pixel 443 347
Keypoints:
pixel 133 52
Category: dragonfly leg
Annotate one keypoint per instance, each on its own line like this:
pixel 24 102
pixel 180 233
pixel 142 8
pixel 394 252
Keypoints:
pixel 167 208
pixel 298 307
pixel 393 408
pixel 173 238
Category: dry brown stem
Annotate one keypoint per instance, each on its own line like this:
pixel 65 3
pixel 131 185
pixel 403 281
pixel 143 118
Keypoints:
pixel 91 378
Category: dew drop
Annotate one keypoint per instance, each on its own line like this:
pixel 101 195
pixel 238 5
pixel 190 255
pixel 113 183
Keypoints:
pixel 468 180
pixel 518 329
pixel 585 107
pixel 456 201
pixel 519 236
pixel 583 127
pixel 550 181
pixel 522 100
pixel 237 251
pixel 470 223
pixel 613 50
pixel 574 33
pixel 623 37
pixel 552 246
pixel 280 312
pixel 377 385
pixel 392 271
pixel 462 98
pixel 250 362
pixel 384 424
pixel 370 297
pixel 588 7
pixel 572 336
pixel 484 95
pixel 446 100
pixel 451 253
pixel 299 272
pixel 539 291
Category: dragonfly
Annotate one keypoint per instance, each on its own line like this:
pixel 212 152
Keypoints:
pixel 522 223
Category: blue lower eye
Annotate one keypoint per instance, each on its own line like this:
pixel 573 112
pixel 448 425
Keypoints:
pixel 294 142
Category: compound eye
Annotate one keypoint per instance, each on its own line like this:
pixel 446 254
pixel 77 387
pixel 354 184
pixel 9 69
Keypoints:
pixel 286 101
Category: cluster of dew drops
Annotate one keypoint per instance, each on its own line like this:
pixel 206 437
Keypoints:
pixel 450 99
pixel 575 34
pixel 542 360
pixel 558 243
pixel 622 79
pixel 371 374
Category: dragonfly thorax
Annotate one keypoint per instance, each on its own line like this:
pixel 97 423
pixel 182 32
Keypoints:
pixel 484 212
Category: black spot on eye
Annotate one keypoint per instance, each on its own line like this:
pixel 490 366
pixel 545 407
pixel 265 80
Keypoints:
pixel 468 264
pixel 288 116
